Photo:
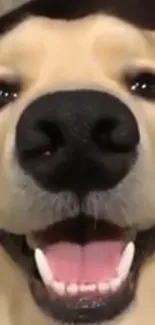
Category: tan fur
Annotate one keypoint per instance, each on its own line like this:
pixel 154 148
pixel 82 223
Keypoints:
pixel 47 55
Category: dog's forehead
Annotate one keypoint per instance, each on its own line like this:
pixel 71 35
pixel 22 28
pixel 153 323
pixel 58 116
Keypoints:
pixel 100 40
pixel 94 33
pixel 83 51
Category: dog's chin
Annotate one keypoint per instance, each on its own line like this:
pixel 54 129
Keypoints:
pixel 81 270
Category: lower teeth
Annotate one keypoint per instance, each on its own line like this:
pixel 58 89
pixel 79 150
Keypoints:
pixel 61 288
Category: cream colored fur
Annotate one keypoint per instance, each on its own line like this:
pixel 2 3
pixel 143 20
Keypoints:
pixel 95 52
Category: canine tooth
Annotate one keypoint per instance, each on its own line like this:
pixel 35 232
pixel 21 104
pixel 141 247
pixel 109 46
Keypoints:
pixel 72 289
pixel 88 287
pixel 126 261
pixel 58 287
pixel 43 267
pixel 115 284
pixel 103 287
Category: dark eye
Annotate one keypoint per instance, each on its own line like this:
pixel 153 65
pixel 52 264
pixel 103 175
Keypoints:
pixel 143 85
pixel 9 91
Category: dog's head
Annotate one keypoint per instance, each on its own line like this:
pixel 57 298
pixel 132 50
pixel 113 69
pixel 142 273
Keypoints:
pixel 77 163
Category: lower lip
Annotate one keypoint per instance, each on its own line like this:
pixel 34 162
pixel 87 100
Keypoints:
pixel 83 309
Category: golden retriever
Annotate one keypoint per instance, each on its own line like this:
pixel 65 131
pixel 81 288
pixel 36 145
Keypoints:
pixel 77 172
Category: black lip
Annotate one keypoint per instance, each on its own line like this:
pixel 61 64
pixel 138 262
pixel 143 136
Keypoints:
pixel 100 309
pixel 82 311
pixel 81 229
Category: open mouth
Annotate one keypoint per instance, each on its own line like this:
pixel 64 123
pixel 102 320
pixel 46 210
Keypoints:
pixel 83 270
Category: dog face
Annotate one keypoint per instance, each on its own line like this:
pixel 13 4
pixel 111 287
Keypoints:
pixel 77 161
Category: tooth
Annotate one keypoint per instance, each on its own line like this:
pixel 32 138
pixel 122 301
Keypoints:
pixel 83 288
pixel 43 267
pixel 103 287
pixel 115 284
pixel 72 289
pixel 58 287
pixel 88 287
pixel 126 261
pixel 91 287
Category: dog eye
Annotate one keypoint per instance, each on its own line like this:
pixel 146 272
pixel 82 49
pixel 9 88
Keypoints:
pixel 142 85
pixel 9 91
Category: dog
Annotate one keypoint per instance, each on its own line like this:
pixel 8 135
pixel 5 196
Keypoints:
pixel 77 164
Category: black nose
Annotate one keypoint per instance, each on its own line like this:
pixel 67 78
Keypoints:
pixel 77 140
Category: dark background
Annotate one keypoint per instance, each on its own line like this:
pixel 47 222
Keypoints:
pixel 139 12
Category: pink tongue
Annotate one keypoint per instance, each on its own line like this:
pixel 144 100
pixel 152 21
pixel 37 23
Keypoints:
pixel 94 262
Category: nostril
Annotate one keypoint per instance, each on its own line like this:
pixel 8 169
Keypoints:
pixel 79 141
pixel 102 131
pixel 112 134
pixel 42 139
pixel 125 137
pixel 54 136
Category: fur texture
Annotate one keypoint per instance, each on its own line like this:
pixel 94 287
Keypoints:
pixel 93 52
